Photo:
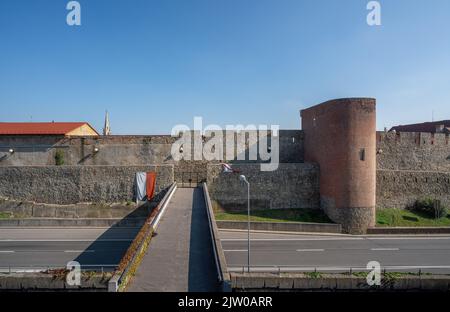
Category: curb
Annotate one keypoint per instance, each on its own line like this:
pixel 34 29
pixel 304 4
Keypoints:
pixel 297 227
pixel 409 230
pixel 84 222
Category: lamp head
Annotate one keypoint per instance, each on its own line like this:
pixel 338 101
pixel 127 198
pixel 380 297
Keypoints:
pixel 242 178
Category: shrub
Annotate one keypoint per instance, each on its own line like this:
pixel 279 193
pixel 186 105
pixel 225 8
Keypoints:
pixel 430 207
pixel 59 158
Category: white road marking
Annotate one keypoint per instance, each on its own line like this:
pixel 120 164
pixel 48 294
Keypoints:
pixel 409 238
pixel 301 250
pixel 6 251
pixel 385 249
pixel 333 239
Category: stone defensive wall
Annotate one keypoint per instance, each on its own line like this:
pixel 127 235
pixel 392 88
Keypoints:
pixel 129 150
pixel 413 151
pixel 138 150
pixel 410 166
pixel 338 163
pixel 77 184
pixel 293 185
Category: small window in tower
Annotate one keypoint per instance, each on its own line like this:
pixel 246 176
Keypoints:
pixel 362 154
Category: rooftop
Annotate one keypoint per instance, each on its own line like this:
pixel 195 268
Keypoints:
pixel 423 127
pixel 42 128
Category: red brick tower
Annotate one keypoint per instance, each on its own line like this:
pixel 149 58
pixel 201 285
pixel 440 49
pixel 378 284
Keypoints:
pixel 340 135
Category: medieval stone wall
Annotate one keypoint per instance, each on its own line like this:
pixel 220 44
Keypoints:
pixel 411 166
pixel 401 188
pixel 76 184
pixel 293 185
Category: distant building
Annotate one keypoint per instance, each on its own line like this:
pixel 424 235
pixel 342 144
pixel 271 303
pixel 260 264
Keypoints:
pixel 106 127
pixel 442 126
pixel 47 129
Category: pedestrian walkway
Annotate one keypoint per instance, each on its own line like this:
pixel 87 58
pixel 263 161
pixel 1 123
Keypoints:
pixel 180 256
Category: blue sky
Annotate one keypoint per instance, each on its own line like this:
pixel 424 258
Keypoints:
pixel 157 63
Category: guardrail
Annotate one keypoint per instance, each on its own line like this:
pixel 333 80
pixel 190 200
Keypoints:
pixel 132 257
pixel 219 256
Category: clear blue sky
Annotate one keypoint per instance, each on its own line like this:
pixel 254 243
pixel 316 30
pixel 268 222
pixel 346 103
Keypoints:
pixel 157 63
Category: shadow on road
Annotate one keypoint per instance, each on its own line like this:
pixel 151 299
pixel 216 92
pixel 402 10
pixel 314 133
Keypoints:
pixel 108 249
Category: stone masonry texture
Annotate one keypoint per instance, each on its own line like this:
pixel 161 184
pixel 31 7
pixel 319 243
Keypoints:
pixel 294 185
pixel 76 184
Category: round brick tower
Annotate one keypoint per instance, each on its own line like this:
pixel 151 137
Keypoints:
pixel 340 135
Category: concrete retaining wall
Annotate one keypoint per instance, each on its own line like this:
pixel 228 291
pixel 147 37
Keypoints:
pixel 281 226
pixel 50 282
pixel 24 209
pixel 335 282
pixel 53 222
pixel 409 230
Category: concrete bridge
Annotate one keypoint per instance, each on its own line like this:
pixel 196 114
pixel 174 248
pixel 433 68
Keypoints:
pixel 180 257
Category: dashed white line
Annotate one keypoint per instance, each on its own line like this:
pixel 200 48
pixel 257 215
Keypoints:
pixel 7 251
pixel 313 250
pixel 287 239
pixel 384 249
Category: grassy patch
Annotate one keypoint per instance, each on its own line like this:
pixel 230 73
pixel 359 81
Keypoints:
pixel 313 275
pixel 5 215
pixel 400 217
pixel 275 215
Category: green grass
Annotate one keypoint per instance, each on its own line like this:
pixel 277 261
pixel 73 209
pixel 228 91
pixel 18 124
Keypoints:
pixel 275 215
pixel 400 217
pixel 5 215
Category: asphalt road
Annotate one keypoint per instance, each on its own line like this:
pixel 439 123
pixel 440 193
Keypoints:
pixel 34 249
pixel 336 253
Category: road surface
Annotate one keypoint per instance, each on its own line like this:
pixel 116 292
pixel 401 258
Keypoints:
pixel 33 249
pixel 180 257
pixel 336 253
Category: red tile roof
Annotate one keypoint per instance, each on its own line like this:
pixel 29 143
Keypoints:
pixel 39 128
pixel 421 127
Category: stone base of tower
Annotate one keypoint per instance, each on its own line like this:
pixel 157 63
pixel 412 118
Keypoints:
pixel 354 220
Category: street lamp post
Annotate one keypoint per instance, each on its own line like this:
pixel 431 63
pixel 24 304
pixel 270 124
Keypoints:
pixel 244 179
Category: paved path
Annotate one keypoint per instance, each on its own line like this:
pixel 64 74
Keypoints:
pixel 337 252
pixel 180 257
pixel 39 248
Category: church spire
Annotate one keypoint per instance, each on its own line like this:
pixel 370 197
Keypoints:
pixel 106 128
